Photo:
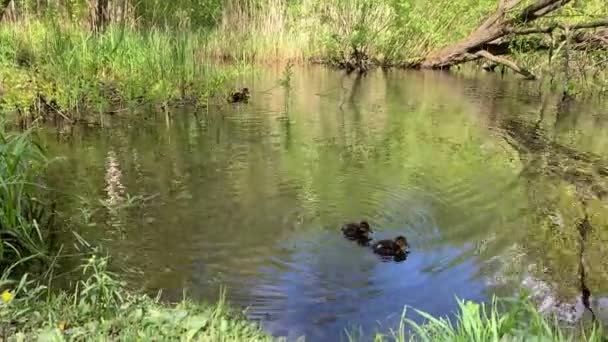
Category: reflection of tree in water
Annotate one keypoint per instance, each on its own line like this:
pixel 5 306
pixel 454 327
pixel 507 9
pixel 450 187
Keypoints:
pixel 115 190
pixel 561 182
pixel 565 173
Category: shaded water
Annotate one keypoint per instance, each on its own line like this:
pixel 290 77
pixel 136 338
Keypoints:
pixel 252 196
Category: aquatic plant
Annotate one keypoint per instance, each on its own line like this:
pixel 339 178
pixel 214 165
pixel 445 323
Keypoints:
pixel 285 81
pixel 25 218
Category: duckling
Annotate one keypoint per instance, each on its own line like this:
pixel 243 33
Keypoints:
pixel 357 231
pixel 398 247
pixel 239 96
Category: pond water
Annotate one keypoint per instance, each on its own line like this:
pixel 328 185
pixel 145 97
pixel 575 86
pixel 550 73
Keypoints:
pixel 252 196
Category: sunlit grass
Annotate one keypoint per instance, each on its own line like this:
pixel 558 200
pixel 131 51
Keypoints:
pixel 500 320
pixel 100 308
pixel 83 72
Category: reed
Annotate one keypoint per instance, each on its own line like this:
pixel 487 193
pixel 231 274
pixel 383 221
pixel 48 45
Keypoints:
pixel 80 72
pixel 25 218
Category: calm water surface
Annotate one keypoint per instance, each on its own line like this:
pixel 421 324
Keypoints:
pixel 252 196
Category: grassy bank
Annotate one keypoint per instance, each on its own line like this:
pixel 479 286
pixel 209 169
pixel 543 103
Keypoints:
pixel 56 70
pixel 53 64
pixel 500 320
pixel 100 308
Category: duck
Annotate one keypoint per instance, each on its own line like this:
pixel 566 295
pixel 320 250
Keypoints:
pixel 239 96
pixel 396 248
pixel 357 231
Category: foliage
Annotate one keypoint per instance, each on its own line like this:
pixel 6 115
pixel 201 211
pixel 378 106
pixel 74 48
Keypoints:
pixel 501 320
pixel 81 72
pixel 100 308
pixel 24 217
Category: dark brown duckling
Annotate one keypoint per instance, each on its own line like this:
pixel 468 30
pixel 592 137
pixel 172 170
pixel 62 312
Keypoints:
pixel 357 231
pixel 239 96
pixel 398 247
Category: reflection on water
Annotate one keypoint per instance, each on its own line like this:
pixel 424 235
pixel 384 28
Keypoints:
pixel 252 196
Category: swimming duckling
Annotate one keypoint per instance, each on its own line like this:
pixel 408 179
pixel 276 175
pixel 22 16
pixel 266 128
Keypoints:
pixel 357 231
pixel 398 247
pixel 239 96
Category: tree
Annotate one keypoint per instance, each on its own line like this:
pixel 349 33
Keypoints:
pixel 101 15
pixel 493 37
pixel 3 6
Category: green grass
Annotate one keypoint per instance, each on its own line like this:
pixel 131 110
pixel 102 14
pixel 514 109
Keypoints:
pixel 389 31
pixel 501 320
pixel 24 215
pixel 100 308
pixel 84 73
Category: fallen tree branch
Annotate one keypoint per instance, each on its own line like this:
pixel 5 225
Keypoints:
pixel 509 64
pixel 496 27
pixel 581 41
pixel 551 28
pixel 596 40
pixel 495 35
pixel 539 9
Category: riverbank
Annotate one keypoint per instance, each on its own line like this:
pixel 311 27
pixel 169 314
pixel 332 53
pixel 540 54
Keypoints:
pixel 100 308
pixel 52 71
pixel 60 69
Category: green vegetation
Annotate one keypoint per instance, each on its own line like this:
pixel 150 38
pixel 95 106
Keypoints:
pixel 515 320
pixel 26 219
pixel 101 309
pixel 65 59
pixel 66 71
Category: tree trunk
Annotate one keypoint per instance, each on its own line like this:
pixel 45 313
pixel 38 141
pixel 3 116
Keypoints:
pixel 3 6
pixel 491 31
pixel 100 19
pixel 493 36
